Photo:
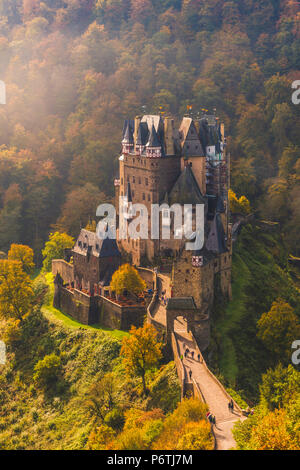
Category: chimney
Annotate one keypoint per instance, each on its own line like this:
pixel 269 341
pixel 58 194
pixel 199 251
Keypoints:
pixel 169 132
pixel 137 122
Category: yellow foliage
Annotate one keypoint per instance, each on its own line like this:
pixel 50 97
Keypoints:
pixel 24 254
pixel 180 428
pixel 100 438
pixel 16 294
pixel 271 433
pixel 11 331
pixel 141 351
pixel 241 205
pixel 196 436
pixel 126 278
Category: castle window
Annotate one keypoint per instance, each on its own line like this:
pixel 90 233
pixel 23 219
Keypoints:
pixel 121 180
pixel 133 160
pixel 133 179
pixel 140 181
pixel 132 192
pixel 146 181
pixel 187 271
pixel 149 197
pixel 127 179
pixel 144 197
pixel 84 245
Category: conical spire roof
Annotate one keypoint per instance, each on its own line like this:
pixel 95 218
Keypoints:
pixel 186 189
pixel 128 136
pixel 216 238
pixel 153 139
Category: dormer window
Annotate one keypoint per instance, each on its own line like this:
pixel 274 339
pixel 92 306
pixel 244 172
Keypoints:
pixel 79 243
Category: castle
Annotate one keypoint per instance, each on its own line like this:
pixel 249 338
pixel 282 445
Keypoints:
pixel 159 164
pixel 187 165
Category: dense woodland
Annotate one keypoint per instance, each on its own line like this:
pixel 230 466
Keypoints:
pixel 75 69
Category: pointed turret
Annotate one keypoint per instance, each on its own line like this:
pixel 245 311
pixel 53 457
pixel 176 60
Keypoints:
pixel 216 238
pixel 153 146
pixel 186 189
pixel 127 142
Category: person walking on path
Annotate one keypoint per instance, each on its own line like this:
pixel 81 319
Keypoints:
pixel 190 374
pixel 198 357
pixel 192 353
pixel 187 352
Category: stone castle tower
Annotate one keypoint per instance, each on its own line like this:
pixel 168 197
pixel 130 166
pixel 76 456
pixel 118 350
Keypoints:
pixel 161 163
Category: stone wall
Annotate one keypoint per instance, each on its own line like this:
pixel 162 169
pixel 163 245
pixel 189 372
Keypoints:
pixel 66 270
pixel 98 310
pixel 78 305
pixel 196 282
pixel 114 316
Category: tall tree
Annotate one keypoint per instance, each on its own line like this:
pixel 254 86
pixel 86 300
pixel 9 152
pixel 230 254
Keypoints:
pixel 141 351
pixel 16 294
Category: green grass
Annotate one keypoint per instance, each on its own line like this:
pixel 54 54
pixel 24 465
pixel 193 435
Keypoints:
pixel 233 313
pixel 55 315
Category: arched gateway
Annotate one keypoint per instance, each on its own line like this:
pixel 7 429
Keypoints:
pixel 180 307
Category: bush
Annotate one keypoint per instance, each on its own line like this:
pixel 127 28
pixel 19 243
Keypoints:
pixel 115 419
pixel 47 371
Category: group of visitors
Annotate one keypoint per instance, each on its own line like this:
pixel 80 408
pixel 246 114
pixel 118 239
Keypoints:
pixel 164 298
pixel 211 418
pixel 190 354
pixel 231 406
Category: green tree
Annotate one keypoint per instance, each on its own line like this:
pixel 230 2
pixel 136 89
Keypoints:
pixel 278 328
pixel 47 371
pixel 54 248
pixel 278 387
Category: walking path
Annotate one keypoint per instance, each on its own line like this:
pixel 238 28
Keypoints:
pixel 212 392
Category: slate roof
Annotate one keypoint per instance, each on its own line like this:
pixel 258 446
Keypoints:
pixel 153 139
pixel 216 238
pixel 89 243
pixel 143 134
pixel 186 189
pixel 128 135
pixel 181 303
pixel 190 142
